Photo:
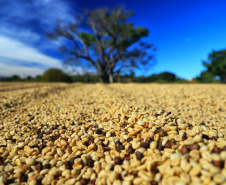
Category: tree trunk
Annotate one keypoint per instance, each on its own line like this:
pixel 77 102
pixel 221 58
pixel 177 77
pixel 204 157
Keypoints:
pixel 223 78
pixel 111 78
pixel 119 77
pixel 104 78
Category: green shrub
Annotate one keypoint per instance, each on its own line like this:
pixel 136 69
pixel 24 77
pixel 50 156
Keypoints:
pixel 56 75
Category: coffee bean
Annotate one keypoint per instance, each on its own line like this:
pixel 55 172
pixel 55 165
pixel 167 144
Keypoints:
pixel 160 147
pixel 139 155
pixel 184 150
pixel 129 139
pixel 194 147
pixel 112 134
pixel 47 166
pixel 204 136
pixel 9 181
pixel 118 160
pixel 168 144
pixel 144 145
pixel 23 177
pixel 90 162
pixel 92 182
pixel 68 165
pixel 84 181
pixel 219 164
pixel 161 132
pixel 216 150
pixel 98 131
pixel 184 137
pixel 130 149
pixel 150 139
pixel 146 125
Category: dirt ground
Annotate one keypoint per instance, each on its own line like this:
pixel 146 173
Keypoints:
pixel 56 133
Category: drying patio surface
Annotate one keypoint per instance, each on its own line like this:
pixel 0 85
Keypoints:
pixel 56 133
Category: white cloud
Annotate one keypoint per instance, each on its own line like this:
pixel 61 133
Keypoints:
pixel 13 49
pixel 22 35
pixel 9 70
pixel 30 21
pixel 18 58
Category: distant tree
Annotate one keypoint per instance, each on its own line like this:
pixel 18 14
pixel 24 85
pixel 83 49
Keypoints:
pixel 39 78
pixel 167 76
pixel 29 77
pixel 161 77
pixel 205 77
pixel 56 75
pixel 14 78
pixel 103 40
pixel 216 64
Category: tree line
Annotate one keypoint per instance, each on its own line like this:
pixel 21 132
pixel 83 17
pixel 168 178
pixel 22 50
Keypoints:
pixel 57 75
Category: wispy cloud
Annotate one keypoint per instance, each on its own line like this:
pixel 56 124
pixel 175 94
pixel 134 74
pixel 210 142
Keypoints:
pixel 24 49
pixel 18 58
pixel 17 50
pixel 21 19
pixel 17 69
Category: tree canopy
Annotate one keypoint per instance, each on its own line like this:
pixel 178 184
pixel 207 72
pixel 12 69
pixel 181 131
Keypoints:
pixel 104 40
pixel 216 64
pixel 56 75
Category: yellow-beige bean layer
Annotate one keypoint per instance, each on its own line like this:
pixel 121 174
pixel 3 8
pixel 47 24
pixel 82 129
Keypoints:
pixel 120 134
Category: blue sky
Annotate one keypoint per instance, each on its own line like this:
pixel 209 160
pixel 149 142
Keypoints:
pixel 183 31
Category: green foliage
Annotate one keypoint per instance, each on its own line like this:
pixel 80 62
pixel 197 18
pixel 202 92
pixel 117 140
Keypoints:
pixel 55 75
pixel 85 78
pixel 205 77
pixel 180 80
pixel 87 38
pixel 13 78
pixel 164 77
pixel 216 65
pixel 168 77
pixel 39 78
